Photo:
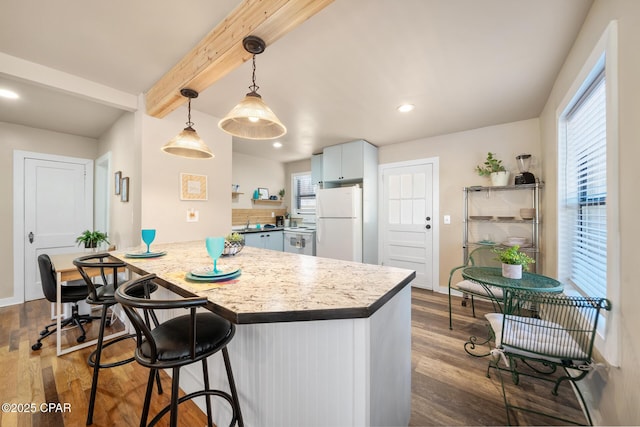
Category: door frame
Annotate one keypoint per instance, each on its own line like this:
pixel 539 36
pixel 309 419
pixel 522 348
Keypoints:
pixel 435 164
pixel 19 158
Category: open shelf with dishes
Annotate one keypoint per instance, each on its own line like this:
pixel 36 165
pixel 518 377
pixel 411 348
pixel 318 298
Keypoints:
pixel 503 216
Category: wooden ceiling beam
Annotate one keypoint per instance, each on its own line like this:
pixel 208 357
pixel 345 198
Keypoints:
pixel 221 51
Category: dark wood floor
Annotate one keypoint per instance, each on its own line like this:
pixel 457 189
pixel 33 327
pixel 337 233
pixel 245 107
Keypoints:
pixel 449 387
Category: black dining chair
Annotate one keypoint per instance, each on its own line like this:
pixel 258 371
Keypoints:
pixel 106 269
pixel 178 342
pixel 68 294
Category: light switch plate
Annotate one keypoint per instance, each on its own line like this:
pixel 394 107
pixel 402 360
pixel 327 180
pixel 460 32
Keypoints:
pixel 447 219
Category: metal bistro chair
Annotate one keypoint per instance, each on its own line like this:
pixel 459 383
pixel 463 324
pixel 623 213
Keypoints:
pixel 479 257
pixel 178 342
pixel 68 294
pixel 104 294
pixel 560 334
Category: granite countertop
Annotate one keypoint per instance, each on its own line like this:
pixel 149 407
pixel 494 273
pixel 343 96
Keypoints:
pixel 275 286
pixel 257 230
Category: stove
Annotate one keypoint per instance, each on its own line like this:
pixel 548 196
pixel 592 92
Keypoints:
pixel 300 240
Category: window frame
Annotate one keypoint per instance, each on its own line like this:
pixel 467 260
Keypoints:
pixel 604 55
pixel 294 195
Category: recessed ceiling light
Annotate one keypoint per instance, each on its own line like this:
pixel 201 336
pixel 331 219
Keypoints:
pixel 277 144
pixel 6 93
pixel 405 108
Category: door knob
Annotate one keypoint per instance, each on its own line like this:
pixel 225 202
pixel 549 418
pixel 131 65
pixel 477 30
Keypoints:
pixel 31 237
pixel 428 227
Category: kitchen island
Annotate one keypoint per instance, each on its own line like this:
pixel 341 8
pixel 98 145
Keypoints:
pixel 318 341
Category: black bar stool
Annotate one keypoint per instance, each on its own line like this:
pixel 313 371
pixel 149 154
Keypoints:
pixel 104 294
pixel 178 342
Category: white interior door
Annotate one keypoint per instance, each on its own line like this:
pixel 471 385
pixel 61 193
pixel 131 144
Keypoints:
pixel 58 198
pixel 407 220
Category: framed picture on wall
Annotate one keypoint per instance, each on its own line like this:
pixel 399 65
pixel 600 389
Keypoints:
pixel 117 182
pixel 124 190
pixel 193 187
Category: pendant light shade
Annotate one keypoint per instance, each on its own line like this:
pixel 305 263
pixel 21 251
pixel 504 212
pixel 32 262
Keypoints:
pixel 187 143
pixel 252 118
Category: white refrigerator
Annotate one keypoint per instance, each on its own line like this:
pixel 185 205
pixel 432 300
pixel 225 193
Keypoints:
pixel 339 223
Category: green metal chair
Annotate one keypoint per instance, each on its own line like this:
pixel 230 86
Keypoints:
pixel 537 333
pixel 479 257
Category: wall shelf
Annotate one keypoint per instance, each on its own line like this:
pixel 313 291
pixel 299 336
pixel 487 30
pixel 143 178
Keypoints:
pixel 267 202
pixel 235 194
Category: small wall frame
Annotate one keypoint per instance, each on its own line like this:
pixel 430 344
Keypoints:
pixel 117 182
pixel 193 187
pixel 124 190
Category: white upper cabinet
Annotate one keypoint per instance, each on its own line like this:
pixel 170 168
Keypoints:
pixel 344 162
pixel 316 169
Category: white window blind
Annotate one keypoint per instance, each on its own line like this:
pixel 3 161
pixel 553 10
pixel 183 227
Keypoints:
pixel 583 220
pixel 304 194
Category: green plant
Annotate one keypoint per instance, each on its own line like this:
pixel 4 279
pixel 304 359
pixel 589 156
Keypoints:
pixel 91 239
pixel 490 165
pixel 234 238
pixel 281 193
pixel 513 256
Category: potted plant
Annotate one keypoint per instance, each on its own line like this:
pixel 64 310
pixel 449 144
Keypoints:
pixel 513 261
pixel 281 193
pixel 92 239
pixel 493 168
pixel 233 243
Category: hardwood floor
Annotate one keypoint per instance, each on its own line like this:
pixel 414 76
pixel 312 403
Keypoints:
pixel 449 387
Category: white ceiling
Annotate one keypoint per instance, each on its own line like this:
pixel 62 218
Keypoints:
pixel 465 64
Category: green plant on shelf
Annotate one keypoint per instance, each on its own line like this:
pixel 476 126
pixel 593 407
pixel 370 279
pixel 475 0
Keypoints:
pixel 490 166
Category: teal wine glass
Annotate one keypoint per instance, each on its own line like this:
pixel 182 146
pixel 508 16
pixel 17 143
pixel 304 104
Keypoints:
pixel 215 247
pixel 148 236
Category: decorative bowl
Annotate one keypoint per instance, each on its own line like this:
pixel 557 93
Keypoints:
pixel 232 248
pixel 527 213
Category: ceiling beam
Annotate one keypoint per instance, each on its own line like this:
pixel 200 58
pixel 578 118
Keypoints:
pixel 221 51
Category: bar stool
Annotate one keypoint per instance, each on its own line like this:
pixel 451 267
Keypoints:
pixel 104 294
pixel 178 342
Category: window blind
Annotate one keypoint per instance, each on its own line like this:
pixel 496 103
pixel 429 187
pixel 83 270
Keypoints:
pixel 585 210
pixel 305 195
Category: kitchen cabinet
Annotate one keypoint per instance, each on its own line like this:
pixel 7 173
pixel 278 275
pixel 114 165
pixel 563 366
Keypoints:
pixel 316 169
pixel 265 240
pixel 492 214
pixel 345 162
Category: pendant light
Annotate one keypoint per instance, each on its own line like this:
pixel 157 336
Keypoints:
pixel 252 118
pixel 187 143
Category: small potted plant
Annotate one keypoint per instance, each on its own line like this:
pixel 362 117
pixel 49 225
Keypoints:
pixel 92 239
pixel 513 261
pixel 493 168
pixel 233 243
pixel 281 193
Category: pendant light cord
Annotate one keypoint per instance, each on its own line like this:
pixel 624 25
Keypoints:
pixel 254 87
pixel 189 122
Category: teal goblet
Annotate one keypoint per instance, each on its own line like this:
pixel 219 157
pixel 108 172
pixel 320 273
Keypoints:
pixel 215 247
pixel 148 236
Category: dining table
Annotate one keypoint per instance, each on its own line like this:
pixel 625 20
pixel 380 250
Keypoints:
pixel 318 341
pixel 67 272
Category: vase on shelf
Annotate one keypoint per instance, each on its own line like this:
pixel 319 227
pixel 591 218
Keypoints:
pixel 499 179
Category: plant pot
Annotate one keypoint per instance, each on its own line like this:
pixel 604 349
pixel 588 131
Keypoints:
pixel 512 271
pixel 499 179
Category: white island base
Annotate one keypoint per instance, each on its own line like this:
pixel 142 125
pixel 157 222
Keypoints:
pixel 346 372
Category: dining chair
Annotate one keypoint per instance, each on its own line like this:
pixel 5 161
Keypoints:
pixel 103 294
pixel 178 342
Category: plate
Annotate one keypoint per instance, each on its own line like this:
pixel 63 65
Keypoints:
pixel 145 254
pixel 193 278
pixel 506 217
pixel 208 272
pixel 486 242
pixel 480 217
pixel 522 245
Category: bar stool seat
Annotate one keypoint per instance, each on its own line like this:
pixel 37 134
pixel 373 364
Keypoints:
pixel 104 294
pixel 179 342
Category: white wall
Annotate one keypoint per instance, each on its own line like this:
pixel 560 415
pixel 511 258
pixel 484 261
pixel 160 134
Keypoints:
pixel 251 172
pixel 459 153
pixel 16 137
pixel 617 391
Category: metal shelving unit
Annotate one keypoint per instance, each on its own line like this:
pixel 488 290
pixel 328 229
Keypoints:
pixel 488 221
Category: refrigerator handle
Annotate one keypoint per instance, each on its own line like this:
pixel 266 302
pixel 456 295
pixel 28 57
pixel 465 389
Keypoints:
pixel 318 231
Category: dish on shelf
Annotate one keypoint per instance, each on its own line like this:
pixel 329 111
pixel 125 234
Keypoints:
pixel 522 245
pixel 506 217
pixel 482 217
pixel 486 242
